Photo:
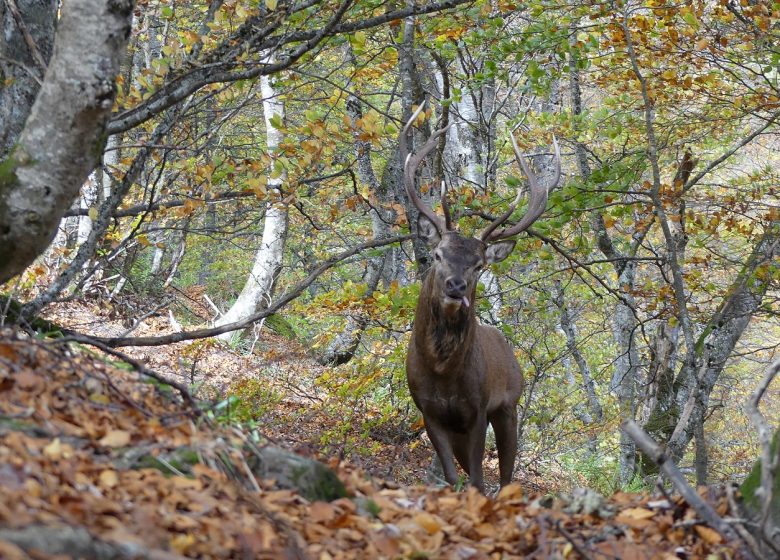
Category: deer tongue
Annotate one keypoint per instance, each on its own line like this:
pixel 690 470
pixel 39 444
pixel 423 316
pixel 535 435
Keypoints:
pixel 466 302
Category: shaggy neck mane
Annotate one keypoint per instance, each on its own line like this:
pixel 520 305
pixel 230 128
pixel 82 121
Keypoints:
pixel 445 338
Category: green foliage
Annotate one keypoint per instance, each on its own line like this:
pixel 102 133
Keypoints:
pixel 249 399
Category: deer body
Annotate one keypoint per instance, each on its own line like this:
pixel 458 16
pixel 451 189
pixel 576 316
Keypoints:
pixel 463 375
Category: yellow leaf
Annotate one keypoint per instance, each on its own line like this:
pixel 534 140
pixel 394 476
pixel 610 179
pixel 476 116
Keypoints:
pixel 180 543
pixel 92 213
pixel 115 438
pixel 108 478
pixel 57 450
pixel 271 4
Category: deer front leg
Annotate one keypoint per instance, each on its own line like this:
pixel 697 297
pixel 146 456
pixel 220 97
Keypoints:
pixel 443 446
pixel 477 452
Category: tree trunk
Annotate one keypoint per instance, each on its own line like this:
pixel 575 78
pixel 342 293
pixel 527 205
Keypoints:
pixel 258 289
pixel 26 42
pixel 64 135
pixel 720 337
pixel 343 346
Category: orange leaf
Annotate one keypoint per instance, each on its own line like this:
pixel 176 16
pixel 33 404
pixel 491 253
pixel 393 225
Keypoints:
pixel 115 438
pixel 708 535
pixel 108 478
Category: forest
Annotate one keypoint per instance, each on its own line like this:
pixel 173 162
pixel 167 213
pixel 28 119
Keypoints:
pixel 217 218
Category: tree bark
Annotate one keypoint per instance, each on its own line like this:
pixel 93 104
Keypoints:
pixel 258 289
pixel 26 43
pixel 64 135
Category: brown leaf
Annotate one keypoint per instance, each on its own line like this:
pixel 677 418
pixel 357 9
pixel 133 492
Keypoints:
pixel 10 551
pixel 708 535
pixel 28 380
pixel 322 512
pixel 386 545
pixel 115 438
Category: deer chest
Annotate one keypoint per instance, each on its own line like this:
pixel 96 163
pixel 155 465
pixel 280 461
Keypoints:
pixel 454 410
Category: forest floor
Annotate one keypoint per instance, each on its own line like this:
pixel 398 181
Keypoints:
pixel 75 425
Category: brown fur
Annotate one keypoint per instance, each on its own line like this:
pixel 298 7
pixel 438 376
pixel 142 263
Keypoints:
pixel 461 374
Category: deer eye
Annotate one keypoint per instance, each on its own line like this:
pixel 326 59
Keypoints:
pixel 436 256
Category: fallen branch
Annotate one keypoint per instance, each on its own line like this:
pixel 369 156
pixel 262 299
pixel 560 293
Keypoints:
pixel 290 295
pixel 659 457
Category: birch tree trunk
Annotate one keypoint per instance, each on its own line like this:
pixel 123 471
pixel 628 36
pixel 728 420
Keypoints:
pixel 258 289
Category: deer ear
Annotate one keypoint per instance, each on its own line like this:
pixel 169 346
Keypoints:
pixel 428 231
pixel 497 252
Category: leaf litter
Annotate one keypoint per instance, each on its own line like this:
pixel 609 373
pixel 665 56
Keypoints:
pixel 77 432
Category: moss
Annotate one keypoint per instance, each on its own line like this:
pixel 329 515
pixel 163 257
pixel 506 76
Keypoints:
pixel 182 460
pixel 8 167
pixel 318 483
pixel 16 425
pixel 280 326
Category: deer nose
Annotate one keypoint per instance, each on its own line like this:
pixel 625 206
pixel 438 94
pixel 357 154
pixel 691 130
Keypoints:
pixel 455 285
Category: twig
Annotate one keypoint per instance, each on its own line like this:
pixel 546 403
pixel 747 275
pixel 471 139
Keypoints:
pixel 659 457
pixel 768 461
pixel 138 366
pixel 149 313
pixel 581 550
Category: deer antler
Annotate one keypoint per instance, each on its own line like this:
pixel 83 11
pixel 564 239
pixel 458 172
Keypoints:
pixel 411 162
pixel 537 199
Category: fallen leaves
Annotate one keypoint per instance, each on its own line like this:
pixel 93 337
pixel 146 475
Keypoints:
pixel 69 461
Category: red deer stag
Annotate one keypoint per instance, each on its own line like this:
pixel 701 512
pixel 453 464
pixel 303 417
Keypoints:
pixel 462 374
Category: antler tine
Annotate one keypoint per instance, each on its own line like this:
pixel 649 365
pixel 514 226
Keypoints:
pixel 537 198
pixel 412 162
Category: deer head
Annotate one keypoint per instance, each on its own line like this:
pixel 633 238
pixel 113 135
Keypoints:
pixel 458 260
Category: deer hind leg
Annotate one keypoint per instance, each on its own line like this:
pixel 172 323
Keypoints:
pixel 504 422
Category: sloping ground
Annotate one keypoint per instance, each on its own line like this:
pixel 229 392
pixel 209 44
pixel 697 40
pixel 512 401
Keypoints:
pixel 78 478
pixel 293 411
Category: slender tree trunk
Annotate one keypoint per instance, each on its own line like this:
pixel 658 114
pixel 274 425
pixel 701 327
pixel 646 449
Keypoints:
pixel 569 328
pixel 259 287
pixel 343 346
pixel 411 94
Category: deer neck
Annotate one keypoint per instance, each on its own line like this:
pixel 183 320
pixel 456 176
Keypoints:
pixel 445 339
